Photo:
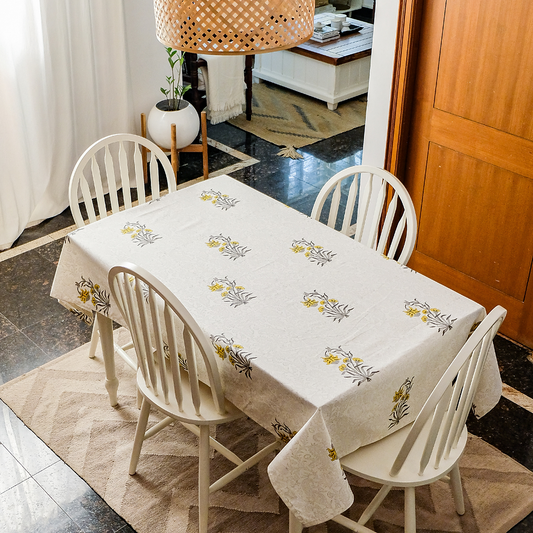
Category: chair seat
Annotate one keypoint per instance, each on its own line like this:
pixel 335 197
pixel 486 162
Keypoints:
pixel 210 415
pixel 374 461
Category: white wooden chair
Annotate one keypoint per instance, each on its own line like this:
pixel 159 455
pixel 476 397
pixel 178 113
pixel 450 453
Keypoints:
pixel 120 156
pixel 429 448
pixel 169 380
pixel 389 228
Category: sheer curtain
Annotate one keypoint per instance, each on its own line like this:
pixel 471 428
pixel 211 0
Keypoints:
pixel 64 83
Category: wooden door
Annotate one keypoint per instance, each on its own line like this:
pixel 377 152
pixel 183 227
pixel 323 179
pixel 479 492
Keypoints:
pixel 469 165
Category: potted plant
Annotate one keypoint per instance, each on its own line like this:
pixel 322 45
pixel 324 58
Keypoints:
pixel 174 109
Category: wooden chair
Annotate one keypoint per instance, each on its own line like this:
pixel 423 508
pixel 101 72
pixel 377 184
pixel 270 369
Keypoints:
pixel 120 156
pixel 171 349
pixel 429 448
pixel 388 228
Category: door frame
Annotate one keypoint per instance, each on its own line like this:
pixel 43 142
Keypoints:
pixel 402 90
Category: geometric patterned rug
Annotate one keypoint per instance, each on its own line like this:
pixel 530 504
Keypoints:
pixel 65 403
pixel 287 118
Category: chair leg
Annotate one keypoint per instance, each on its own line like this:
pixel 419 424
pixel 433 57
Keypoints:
pixel 203 479
pixel 139 435
pixel 410 510
pixel 457 490
pixel 374 504
pixel 95 336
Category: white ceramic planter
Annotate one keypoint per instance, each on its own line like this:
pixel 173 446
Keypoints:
pixel 186 120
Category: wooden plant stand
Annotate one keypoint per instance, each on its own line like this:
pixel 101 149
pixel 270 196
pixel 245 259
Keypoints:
pixel 174 153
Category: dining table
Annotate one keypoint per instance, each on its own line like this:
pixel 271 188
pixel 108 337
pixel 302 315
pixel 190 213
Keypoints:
pixel 321 340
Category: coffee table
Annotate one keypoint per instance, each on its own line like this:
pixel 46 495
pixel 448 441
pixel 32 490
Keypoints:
pixel 333 71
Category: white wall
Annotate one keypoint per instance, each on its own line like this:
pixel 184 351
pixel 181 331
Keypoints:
pixel 147 58
pixel 380 82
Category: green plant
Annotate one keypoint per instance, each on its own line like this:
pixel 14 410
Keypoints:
pixel 175 91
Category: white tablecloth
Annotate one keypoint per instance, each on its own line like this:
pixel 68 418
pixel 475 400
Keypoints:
pixel 321 340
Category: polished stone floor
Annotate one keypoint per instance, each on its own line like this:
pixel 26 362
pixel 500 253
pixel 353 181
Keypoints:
pixel 38 491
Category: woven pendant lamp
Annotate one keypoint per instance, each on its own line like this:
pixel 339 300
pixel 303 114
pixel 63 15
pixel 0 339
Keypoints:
pixel 239 27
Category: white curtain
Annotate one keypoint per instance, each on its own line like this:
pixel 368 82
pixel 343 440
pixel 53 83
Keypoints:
pixel 64 83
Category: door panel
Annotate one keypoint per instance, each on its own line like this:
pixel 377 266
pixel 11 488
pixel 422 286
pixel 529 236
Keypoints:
pixel 470 154
pixel 467 215
pixel 485 72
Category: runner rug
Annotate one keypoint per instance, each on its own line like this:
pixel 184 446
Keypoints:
pixel 287 118
pixel 64 402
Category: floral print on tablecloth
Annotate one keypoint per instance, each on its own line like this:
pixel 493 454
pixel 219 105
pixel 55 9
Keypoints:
pixel 227 247
pixel 314 252
pixel 350 367
pixel 432 316
pixel 329 307
pixel 225 348
pixel 218 199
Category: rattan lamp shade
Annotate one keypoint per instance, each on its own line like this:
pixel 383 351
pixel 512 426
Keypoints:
pixel 233 26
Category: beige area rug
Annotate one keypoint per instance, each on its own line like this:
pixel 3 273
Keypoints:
pixel 287 118
pixel 64 402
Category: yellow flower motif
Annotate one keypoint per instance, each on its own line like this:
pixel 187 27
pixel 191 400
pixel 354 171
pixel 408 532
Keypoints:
pixel 346 359
pixel 424 318
pixel 84 295
pixel 357 359
pixel 397 396
pixel 321 309
pixel 238 346
pixel 96 286
pixel 227 349
pixel 412 311
pixel 221 249
pixel 319 247
pixel 309 247
pixel 333 301
pixel 216 287
pixel 332 453
pixel 307 254
pixel 342 367
pixel 239 288
pixel 224 294
pixel 127 230
pixel 433 310
pixel 149 230
pixel 424 311
pixel 224 196
pixel 405 397
pixel 93 301
pixel 234 242
pixel 206 197
pixel 212 244
pixel 213 201
pixel 309 302
pixel 220 351
pixel 231 360
pixel 331 358
pixel 297 249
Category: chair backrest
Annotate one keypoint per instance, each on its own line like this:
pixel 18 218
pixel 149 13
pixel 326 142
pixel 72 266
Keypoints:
pixel 159 325
pixel 121 157
pixel 449 403
pixel 386 226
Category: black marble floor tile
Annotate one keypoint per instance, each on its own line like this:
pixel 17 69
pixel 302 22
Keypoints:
pixel 50 225
pixel 27 508
pixel 78 500
pixel 29 274
pixel 51 251
pixel 60 333
pixel 6 327
pixel 30 451
pixel 516 365
pixel 19 355
pixel 509 428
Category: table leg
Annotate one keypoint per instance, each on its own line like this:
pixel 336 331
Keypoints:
pixel 332 107
pixel 105 326
pixel 295 526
